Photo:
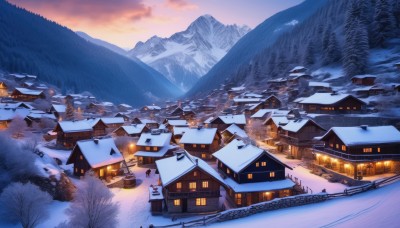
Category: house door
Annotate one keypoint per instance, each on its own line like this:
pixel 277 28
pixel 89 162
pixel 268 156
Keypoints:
pixel 101 172
pixel 248 198
pixel 184 205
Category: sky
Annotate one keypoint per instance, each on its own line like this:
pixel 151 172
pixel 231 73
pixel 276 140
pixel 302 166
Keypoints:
pixel 125 22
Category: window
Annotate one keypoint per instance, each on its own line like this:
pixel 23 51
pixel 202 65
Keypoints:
pixel 76 170
pixel 348 108
pixel 179 186
pixel 195 173
pixel 238 199
pixel 271 174
pixel 201 201
pixel 367 150
pixel 228 171
pixel 343 148
pixel 354 108
pixel 378 149
pixel 257 164
pixel 220 164
pixel 234 175
pixel 80 157
pixel 340 108
pixel 263 163
pixel 177 202
pixel 331 145
pixel 82 171
pixel 155 148
pixel 203 146
pixel 147 148
pixel 203 156
pixel 204 184
pixel 194 145
pixel 337 146
pixel 192 186
pixel 250 176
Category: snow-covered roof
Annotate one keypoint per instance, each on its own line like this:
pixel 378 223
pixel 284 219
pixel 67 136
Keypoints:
pixel 366 135
pixel 261 113
pixel 259 186
pixel 9 114
pixel 42 116
pixel 298 68
pixel 159 140
pixel 156 154
pixel 153 107
pixel 208 120
pixel 29 91
pixel 133 129
pixel 237 89
pixel 237 155
pixel 15 105
pixel 278 120
pixel 125 105
pixel 233 119
pixel 246 100
pixel 146 121
pixel 367 88
pixel 113 120
pixel 59 108
pixel 107 104
pixel 326 98
pixel 172 168
pixel 75 126
pixel 363 76
pixel 155 193
pixel 297 75
pixel 178 123
pixel 296 124
pixel 99 154
pixel 234 129
pixel 198 136
pixel 278 80
pixel 180 130
pixel 319 84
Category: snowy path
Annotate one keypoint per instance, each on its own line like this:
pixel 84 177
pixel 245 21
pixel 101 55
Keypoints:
pixel 376 208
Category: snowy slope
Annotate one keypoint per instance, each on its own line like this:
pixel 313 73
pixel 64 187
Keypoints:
pixel 188 55
pixel 102 43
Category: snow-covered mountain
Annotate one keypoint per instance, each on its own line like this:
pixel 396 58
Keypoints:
pixel 102 43
pixel 186 56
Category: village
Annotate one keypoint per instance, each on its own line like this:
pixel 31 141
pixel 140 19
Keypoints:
pixel 303 133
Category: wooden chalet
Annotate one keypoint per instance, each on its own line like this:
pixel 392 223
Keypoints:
pixel 188 185
pixel 7 115
pixel 113 123
pixel 272 134
pixel 234 91
pixel 69 132
pixel 360 151
pixel 222 122
pixel 37 117
pixel 262 114
pixel 125 116
pixel 277 83
pixel 171 123
pixel 134 130
pixel 124 107
pixel 98 126
pixel 23 94
pixel 332 103
pixel 319 87
pixel 297 136
pixel 298 69
pixel 201 142
pixel 252 174
pixel 367 91
pixel 233 132
pixel 178 133
pixel 59 111
pixel 150 124
pixel 150 110
pixel 153 146
pixel 99 155
pixel 366 80
pixel 295 78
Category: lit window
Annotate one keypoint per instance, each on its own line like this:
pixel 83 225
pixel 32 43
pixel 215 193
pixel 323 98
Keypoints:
pixel 76 170
pixel 272 174
pixel 155 148
pixel 80 157
pixel 203 146
pixel 337 146
pixel 201 201
pixel 228 171
pixel 179 185
pixel 250 176
pixel 378 149
pixel 238 199
pixel 367 150
pixel 203 155
pixel 82 171
pixel 331 145
pixel 257 164
pixel 340 108
pixel 348 108
pixel 220 164
pixel 343 148
pixel 354 108
pixel 204 184
pixel 234 175
pixel 177 202
pixel 147 148
pixel 263 163
pixel 192 186
pixel 195 173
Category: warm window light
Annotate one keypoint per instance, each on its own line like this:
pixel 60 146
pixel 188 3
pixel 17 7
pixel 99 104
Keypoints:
pixel 109 167
pixel 346 166
pixel 131 145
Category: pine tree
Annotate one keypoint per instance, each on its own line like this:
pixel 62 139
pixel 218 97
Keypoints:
pixel 69 112
pixel 272 64
pixel 333 54
pixel 309 55
pixel 382 26
pixel 326 37
pixel 396 12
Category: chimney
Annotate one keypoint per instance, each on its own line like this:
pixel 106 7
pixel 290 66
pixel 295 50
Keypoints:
pixel 96 141
pixel 364 127
pixel 197 161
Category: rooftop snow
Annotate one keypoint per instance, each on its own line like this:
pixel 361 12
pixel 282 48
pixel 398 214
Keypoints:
pixel 155 193
pixel 259 186
pixel 298 68
pixel 75 126
pixel 9 114
pixel 156 154
pixel 261 113
pixel 134 128
pixel 159 140
pixel 295 125
pixel 234 129
pixel 198 136
pixel 233 119
pixel 180 130
pixel 59 108
pixel 319 84
pixel 15 105
pixel 29 91
pixel 113 120
pixel 352 136
pixel 100 154
pixel 325 98
pixel 178 123
pixel 364 76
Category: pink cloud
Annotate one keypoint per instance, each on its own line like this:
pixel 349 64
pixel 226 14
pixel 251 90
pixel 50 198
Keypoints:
pixel 181 5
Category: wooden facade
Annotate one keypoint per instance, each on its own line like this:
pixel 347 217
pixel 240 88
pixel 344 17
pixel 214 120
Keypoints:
pixel 221 125
pixel 363 80
pixel 18 95
pixel 346 106
pixel 99 129
pixel 69 139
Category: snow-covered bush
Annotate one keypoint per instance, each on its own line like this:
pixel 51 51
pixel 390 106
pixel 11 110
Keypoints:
pixel 25 204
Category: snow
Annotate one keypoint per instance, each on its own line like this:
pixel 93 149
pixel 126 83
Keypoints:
pixel 325 98
pixel 319 84
pixel 352 136
pixel 198 136
pixel 238 159
pixel 29 91
pixel 156 154
pixel 259 186
pixel 246 100
pixel 180 130
pixel 59 108
pixel 99 154
pixel 9 114
pixel 278 120
pixel 181 123
pixel 15 105
pixel 364 76
pixel 292 23
pixel 375 208
pixel 113 120
pixel 233 119
pixel 261 113
pixel 75 126
pixel 234 129
pixel 155 193
pixel 133 129
pixel 149 139
pixel 237 89
pixel 295 125
pixel 153 107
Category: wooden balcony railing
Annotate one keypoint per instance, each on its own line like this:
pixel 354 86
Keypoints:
pixel 194 194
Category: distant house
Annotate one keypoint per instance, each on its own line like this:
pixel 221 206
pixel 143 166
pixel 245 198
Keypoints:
pixel 252 174
pixel 3 89
pixel 298 135
pixel 294 78
pixel 272 129
pixel 124 107
pixel 360 151
pixel 150 110
pixel 233 132
pixel 59 111
pixel 151 124
pixel 298 69
pixel 153 146
pixel 277 83
pixel 365 80
pixel 113 122
pixel 7 116
pixel 320 87
pixel 234 91
pixel 170 124
pixel 188 185
pixel 18 105
pixel 38 116
pixel 222 122
pixel 99 155
pixel 23 94
pixel 262 114
pixel 125 116
pixel 178 133
pixel 333 103
pixel 134 130
pixel 367 91
pixel 69 132
pixel 201 142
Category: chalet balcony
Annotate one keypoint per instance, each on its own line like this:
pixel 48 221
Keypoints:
pixel 194 194
pixel 355 157
pixel 295 141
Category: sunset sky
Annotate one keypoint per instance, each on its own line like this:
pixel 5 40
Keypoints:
pixel 125 22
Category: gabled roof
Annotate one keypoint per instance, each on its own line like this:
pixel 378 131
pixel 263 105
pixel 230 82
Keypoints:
pixel 278 120
pixel 234 129
pixel 132 129
pixel 150 139
pixel 327 98
pixel 319 84
pixel 113 120
pixel 261 113
pixel 9 114
pixel 182 123
pixel 172 168
pixel 199 136
pixel 233 119
pixel 296 125
pixel 99 154
pixel 59 108
pixel 297 68
pixel 180 130
pixel 74 126
pixel 365 135
pixel 16 105
pixel 29 91
pixel 363 76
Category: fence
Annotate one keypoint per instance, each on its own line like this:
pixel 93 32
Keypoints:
pixel 280 203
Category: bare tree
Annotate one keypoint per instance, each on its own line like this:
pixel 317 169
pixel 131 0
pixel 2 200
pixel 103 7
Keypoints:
pixel 92 206
pixel 24 203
